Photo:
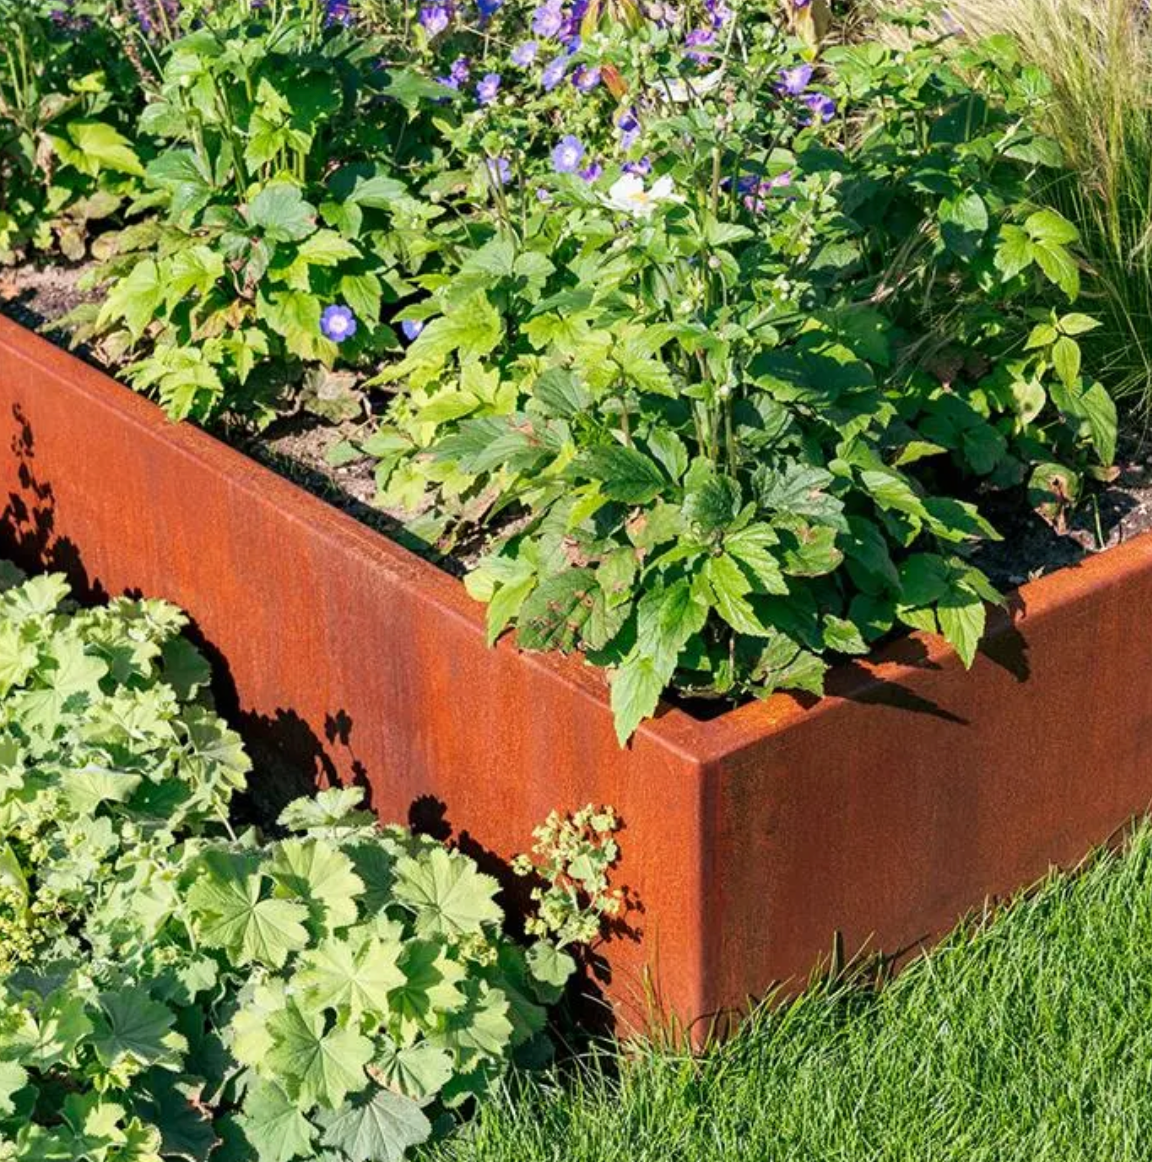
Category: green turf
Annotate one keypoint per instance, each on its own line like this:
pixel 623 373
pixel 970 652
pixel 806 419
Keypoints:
pixel 1028 1040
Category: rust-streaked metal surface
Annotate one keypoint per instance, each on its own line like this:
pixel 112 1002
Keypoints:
pixel 879 815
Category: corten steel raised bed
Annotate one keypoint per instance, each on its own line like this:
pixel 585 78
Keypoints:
pixel 752 840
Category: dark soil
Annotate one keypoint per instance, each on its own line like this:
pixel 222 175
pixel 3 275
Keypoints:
pixel 298 446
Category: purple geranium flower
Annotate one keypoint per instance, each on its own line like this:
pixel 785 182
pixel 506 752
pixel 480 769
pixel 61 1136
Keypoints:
pixel 697 39
pixel 338 323
pixel 566 157
pixel 411 328
pixel 592 172
pixel 548 19
pixel 586 78
pixel 460 72
pixel 641 168
pixel 337 12
pixel 553 73
pixel 629 125
pixel 524 54
pixel 435 18
pixel 488 8
pixel 571 27
pixel 487 88
pixel 719 11
pixel 820 104
pixel 543 195
pixel 795 80
pixel 499 170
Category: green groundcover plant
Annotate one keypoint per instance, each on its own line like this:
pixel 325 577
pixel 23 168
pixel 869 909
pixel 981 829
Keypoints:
pixel 174 985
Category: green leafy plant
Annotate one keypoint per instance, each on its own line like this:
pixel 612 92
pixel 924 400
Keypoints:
pixel 173 985
pixel 280 225
pixel 723 410
pixel 67 94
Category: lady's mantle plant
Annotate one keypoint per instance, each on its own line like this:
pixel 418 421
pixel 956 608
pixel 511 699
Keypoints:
pixel 728 380
pixel 173 987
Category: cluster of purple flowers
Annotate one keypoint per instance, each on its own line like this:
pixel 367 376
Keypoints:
pixel 697 42
pixel 524 54
pixel 629 125
pixel 755 188
pixel 154 15
pixel 66 18
pixel 338 12
pixel 499 170
pixel 794 82
pixel 458 74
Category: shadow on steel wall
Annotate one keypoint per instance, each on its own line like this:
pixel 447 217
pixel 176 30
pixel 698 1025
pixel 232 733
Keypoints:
pixel 291 759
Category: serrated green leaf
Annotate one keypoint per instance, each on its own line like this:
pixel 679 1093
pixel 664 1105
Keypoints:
pixel 232 913
pixel 132 1026
pixel 315 872
pixel 624 473
pixel 418 1071
pixel 281 212
pixel 350 978
pixel 275 1125
pixel 961 615
pixel 317 1066
pixel 449 896
pixel 381 1127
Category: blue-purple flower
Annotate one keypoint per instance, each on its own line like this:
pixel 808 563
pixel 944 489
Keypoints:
pixel 548 19
pixel 568 154
pixel 499 170
pixel 487 88
pixel 524 54
pixel 794 81
pixel 641 168
pixel 338 323
pixel 411 328
pixel 592 172
pixel 553 73
pixel 338 12
pixel 460 71
pixel 488 8
pixel 754 189
pixel 586 77
pixel 719 11
pixel 629 125
pixel 821 105
pixel 435 18
pixel 698 39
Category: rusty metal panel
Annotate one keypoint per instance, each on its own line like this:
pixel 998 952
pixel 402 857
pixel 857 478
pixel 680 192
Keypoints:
pixel 881 813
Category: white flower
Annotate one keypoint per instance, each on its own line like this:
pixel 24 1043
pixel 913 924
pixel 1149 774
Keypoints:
pixel 629 196
pixel 678 90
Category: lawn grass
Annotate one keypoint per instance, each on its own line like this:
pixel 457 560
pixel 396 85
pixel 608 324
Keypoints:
pixel 1027 1039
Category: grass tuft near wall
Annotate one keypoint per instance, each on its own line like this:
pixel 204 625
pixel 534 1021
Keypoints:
pixel 1098 56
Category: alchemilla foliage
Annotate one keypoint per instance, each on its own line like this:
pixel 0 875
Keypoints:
pixel 712 332
pixel 175 986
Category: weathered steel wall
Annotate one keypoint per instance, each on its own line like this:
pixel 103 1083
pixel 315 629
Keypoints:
pixel 751 840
